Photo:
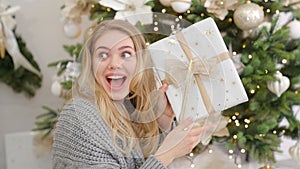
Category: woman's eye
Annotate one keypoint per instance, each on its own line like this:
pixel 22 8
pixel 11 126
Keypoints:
pixel 126 54
pixel 103 55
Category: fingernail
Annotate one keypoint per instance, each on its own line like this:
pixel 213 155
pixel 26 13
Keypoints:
pixel 165 86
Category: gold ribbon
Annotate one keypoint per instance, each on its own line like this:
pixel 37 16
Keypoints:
pixel 194 68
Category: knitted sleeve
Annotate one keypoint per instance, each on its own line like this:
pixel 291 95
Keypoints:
pixel 83 141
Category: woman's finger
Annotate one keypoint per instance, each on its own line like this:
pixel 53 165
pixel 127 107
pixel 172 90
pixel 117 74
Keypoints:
pixel 164 87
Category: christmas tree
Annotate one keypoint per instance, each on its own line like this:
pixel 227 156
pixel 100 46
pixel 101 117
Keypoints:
pixel 264 42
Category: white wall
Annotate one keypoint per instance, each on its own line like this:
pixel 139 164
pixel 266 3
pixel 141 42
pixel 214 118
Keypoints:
pixel 39 24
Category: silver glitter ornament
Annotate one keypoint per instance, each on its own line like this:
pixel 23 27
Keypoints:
pixel 248 16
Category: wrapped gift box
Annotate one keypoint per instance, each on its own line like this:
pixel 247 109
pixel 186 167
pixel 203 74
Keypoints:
pixel 201 76
pixel 23 151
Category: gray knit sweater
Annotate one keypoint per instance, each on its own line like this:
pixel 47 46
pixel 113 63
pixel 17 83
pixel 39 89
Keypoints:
pixel 83 141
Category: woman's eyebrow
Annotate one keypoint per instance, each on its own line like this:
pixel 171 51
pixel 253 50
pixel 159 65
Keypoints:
pixel 102 47
pixel 124 47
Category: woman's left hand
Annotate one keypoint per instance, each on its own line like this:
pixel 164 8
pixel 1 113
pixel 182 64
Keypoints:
pixel 166 118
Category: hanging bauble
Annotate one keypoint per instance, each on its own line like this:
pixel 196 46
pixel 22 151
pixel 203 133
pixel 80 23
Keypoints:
pixel 181 6
pixel 294 29
pixel 72 30
pixel 165 3
pixel 248 16
pixel 279 86
pixel 56 88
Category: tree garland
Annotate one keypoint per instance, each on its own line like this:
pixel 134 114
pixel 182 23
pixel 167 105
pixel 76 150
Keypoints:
pixel 18 69
pixel 20 79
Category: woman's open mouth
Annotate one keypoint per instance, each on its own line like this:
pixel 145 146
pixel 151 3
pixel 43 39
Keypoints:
pixel 115 81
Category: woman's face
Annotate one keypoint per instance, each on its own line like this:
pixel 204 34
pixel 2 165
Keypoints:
pixel 114 63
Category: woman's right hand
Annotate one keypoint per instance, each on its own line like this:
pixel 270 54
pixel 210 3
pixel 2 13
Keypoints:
pixel 179 142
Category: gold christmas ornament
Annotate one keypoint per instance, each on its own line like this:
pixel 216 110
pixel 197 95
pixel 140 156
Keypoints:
pixel 2 48
pixel 280 85
pixel 267 166
pixel 248 16
pixel 180 6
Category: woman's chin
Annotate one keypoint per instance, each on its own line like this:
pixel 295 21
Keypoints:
pixel 117 96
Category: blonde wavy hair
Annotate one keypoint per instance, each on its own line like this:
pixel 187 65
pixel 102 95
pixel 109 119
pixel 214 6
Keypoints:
pixel 144 129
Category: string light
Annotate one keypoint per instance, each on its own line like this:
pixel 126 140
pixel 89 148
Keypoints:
pixel 243 150
pixel 210 151
pixel 155 23
pixel 180 16
pixel 268 10
pixel 266 71
pixel 252 91
pixel 147 43
pixel 277 11
pixel 155 28
pixel 237 113
pixel 108 9
pixel 92 6
pixel 229 120
pixel 191 154
pixel 230 151
pixel 258 86
pixel 244 46
pixel 250 56
pixel 202 14
pixel 284 61
pixel 247 121
pixel 296 92
pixel 233 117
pixel 234 136
pixel 246 126
pixel 234 52
pixel 188 11
pixel 229 20
pixel 274 132
pixel 163 10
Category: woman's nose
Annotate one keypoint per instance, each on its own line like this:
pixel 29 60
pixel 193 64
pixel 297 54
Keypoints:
pixel 115 62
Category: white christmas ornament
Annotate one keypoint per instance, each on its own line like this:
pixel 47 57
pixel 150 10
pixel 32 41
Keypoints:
pixel 280 85
pixel 165 3
pixel 56 88
pixel 294 29
pixel 248 16
pixel 72 30
pixel 130 10
pixel 180 6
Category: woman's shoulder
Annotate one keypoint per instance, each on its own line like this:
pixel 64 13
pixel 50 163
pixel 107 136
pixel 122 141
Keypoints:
pixel 80 108
pixel 82 113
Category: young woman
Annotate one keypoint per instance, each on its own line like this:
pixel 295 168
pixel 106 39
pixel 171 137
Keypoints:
pixel 116 117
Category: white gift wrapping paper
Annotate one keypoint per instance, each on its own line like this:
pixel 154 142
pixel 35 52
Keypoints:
pixel 222 84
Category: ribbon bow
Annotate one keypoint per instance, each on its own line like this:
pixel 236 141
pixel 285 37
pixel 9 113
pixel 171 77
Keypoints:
pixel 182 69
pixel 8 40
